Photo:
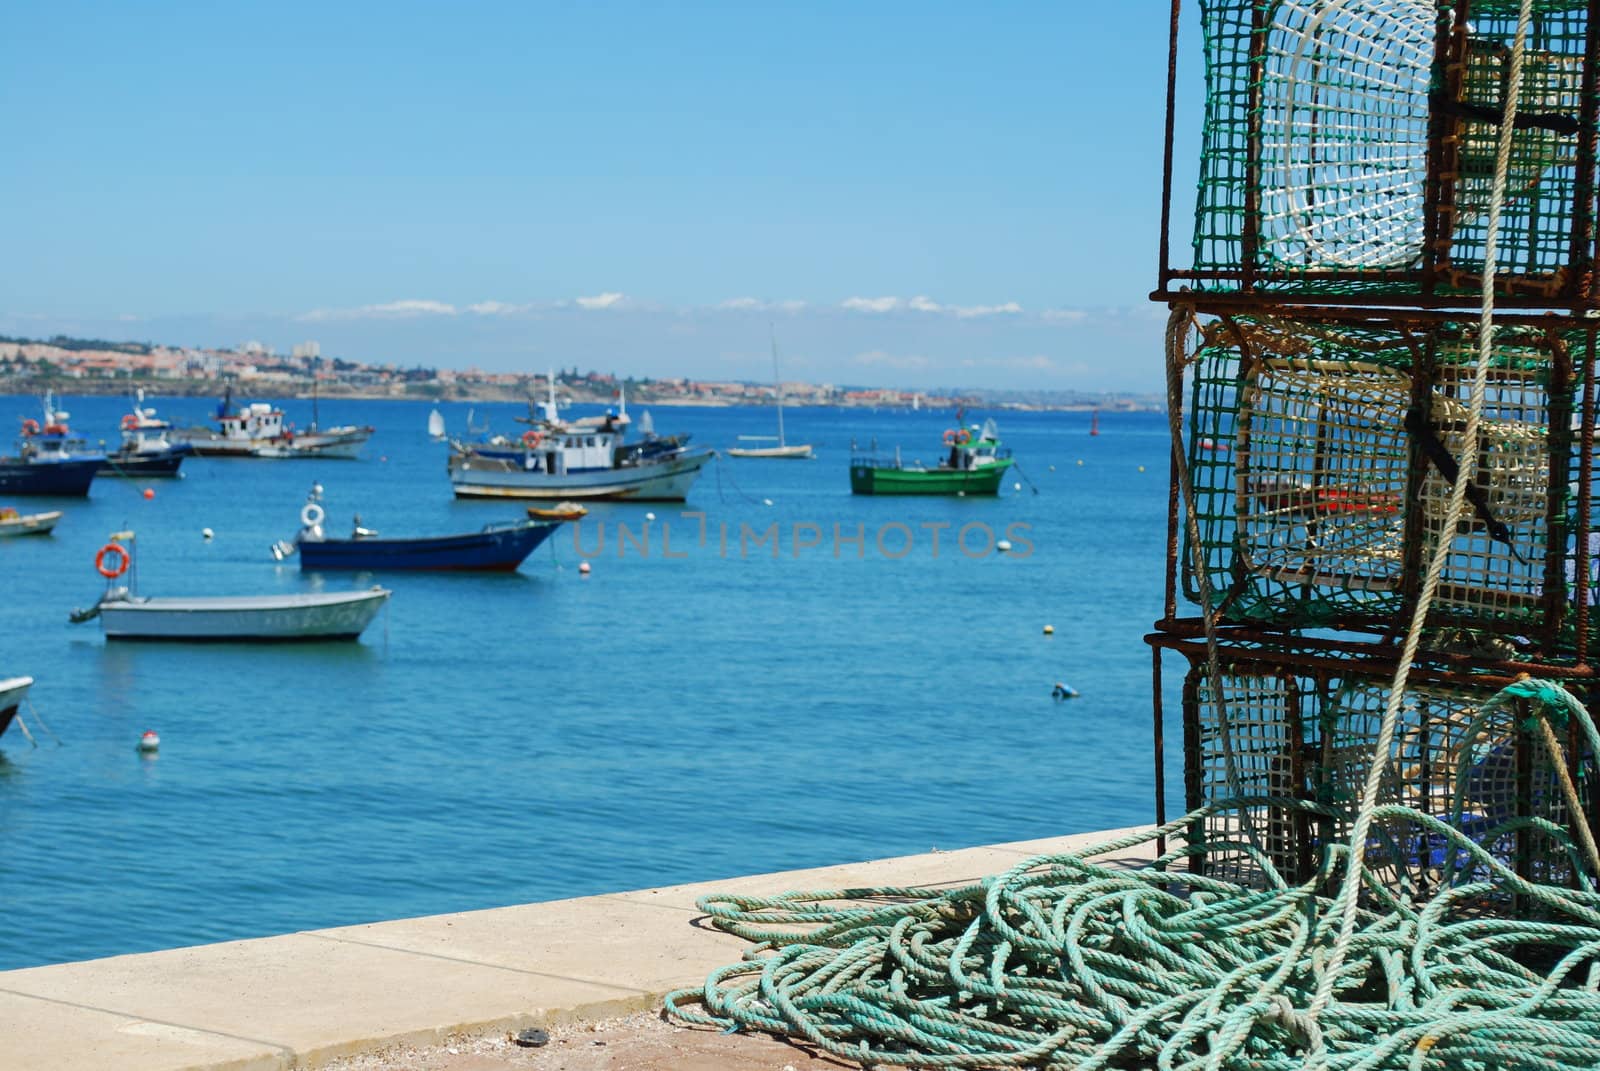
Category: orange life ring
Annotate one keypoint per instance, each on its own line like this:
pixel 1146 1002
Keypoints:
pixel 957 437
pixel 129 422
pixel 531 439
pixel 122 561
pixel 30 427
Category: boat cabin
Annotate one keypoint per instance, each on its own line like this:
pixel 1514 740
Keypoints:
pixel 258 420
pixel 560 451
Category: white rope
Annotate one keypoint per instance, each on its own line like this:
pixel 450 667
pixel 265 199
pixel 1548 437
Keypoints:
pixel 1345 904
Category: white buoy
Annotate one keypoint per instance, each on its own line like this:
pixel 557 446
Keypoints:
pixel 649 516
pixel 150 741
pixel 206 533
pixel 1016 487
pixel 1141 468
pixel 583 567
pixel 1049 630
pixel 1052 468
pixel 1004 546
pixel 766 501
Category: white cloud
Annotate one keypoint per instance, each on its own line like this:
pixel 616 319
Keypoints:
pixel 392 309
pixel 924 304
pixel 750 304
pixel 496 308
pixel 967 312
pixel 607 300
pixel 891 360
pixel 870 304
pixel 1064 316
pixel 1035 363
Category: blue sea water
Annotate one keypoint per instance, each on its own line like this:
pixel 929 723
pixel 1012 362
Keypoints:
pixel 694 711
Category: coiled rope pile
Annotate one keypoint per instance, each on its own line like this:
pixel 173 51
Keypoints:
pixel 1071 961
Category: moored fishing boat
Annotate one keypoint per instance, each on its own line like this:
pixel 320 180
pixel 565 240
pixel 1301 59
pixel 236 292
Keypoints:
pixel 123 614
pixel 13 690
pixel 575 459
pixel 494 548
pixel 145 449
pixel 48 463
pixel 258 430
pixel 13 523
pixel 975 465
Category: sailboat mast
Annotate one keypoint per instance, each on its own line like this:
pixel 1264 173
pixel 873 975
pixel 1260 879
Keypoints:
pixel 777 380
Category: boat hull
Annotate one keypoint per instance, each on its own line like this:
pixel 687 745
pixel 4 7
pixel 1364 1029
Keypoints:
pixel 499 549
pixel 777 453
pixel 63 479
pixel 872 480
pixel 341 444
pixel 12 692
pixel 159 465
pixel 662 481
pixel 263 618
pixel 29 524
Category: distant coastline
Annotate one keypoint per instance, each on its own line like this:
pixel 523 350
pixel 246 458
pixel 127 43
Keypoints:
pixel 97 367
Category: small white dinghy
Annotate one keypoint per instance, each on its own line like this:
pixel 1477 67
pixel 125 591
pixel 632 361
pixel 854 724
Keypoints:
pixel 125 615
pixel 13 523
pixel 13 691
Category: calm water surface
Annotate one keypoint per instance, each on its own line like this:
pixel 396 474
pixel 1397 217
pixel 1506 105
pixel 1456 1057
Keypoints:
pixel 501 739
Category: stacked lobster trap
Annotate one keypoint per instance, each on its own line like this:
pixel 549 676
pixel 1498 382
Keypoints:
pixel 1324 345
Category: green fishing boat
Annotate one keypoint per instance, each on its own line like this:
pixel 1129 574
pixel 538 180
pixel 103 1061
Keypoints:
pixel 974 464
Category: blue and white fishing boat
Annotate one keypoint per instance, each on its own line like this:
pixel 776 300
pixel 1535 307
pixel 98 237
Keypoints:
pixel 494 548
pixel 48 461
pixel 573 459
pixel 145 449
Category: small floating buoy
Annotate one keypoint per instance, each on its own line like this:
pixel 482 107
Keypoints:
pixel 206 533
pixel 1016 486
pixel 383 457
pixel 1004 546
pixel 1080 460
pixel 1049 630
pixel 1052 468
pixel 1063 690
pixel 649 516
pixel 149 492
pixel 149 741
pixel 583 567
pixel 766 501
pixel 961 494
pixel 1141 468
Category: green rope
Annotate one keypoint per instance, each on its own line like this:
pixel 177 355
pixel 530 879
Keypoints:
pixel 1074 961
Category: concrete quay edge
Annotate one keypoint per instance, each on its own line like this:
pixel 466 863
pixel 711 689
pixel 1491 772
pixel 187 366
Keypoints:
pixel 301 1000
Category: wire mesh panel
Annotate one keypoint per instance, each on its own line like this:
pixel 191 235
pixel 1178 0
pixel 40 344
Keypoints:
pixel 1348 145
pixel 1543 208
pixel 1323 457
pixel 1288 729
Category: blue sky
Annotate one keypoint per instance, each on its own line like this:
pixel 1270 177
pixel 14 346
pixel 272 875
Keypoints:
pixel 915 194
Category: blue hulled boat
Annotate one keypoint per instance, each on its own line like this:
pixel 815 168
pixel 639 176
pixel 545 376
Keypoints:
pixel 145 450
pixel 494 548
pixel 49 463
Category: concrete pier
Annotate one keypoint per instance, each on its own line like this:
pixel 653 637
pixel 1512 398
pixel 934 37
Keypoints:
pixel 304 999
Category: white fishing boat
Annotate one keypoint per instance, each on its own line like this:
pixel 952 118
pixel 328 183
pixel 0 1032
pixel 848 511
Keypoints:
pixel 258 430
pixel 13 690
pixel 13 523
pixel 577 459
pixel 783 450
pixel 126 615
pixel 436 426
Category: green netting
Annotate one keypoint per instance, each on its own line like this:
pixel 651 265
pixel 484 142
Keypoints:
pixel 1299 732
pixel 1536 227
pixel 1322 457
pixel 1316 158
